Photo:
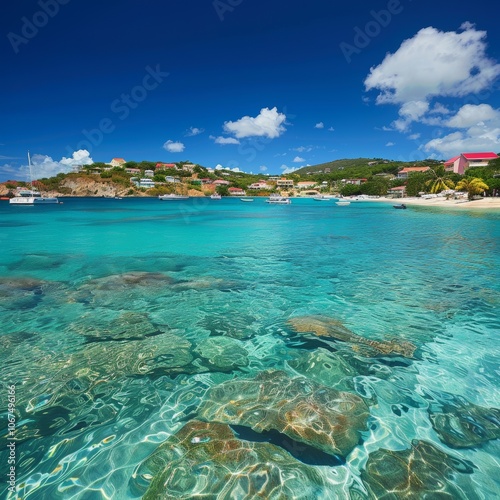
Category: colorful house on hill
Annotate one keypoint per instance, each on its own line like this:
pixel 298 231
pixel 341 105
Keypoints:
pixel 405 172
pixel 236 191
pixel 160 166
pixel 459 164
pixel 117 162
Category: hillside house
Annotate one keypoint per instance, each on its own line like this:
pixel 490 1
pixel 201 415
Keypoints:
pixel 117 162
pixel 405 172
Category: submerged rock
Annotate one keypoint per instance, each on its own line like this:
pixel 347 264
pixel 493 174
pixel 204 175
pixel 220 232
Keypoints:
pixel 127 325
pixel 327 327
pixel 461 424
pixel 325 368
pixel 223 352
pixel 69 385
pixel 423 471
pixel 308 412
pixel 206 460
pixel 130 279
pixel 23 293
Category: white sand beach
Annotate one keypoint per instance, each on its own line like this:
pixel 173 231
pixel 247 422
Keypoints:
pixel 484 203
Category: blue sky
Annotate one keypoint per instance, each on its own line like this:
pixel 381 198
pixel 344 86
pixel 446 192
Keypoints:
pixel 263 86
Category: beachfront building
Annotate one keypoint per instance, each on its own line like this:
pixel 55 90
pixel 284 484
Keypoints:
pixel 459 164
pixel 236 191
pixel 397 192
pixel 221 182
pixel 117 162
pixel 188 167
pixel 306 184
pixel 405 172
pixel 149 173
pixel 284 183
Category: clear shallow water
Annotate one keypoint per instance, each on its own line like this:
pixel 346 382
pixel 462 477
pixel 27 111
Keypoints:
pixel 89 286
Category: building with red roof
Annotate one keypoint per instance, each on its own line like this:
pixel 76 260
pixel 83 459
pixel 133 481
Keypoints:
pixel 405 172
pixel 459 164
pixel 160 166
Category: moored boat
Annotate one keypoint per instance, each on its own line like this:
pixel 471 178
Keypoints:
pixel 172 196
pixel 246 199
pixel 400 207
pixel 216 196
pixel 278 200
pixel 32 196
pixel 342 203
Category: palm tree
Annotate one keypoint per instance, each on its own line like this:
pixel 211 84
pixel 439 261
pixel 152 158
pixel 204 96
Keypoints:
pixel 473 186
pixel 439 182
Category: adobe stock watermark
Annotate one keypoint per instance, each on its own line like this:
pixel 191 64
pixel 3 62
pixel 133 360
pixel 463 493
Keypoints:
pixel 223 6
pixel 121 108
pixel 11 438
pixel 363 36
pixel 31 27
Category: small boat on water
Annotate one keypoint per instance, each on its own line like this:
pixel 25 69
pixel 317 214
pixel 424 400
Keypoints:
pixel 246 199
pixel 172 197
pixel 342 203
pixel 278 200
pixel 216 196
pixel 322 197
pixel 400 207
pixel 32 196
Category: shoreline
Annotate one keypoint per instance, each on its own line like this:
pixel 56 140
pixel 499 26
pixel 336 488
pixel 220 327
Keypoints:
pixel 485 203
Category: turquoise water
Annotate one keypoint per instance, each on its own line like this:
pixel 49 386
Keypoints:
pixel 119 317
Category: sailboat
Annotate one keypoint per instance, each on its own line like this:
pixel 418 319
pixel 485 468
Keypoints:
pixel 32 196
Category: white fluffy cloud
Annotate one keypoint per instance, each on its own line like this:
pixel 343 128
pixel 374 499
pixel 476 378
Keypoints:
pixel 298 159
pixel 471 114
pixel 414 137
pixel 194 131
pixel 480 131
pixel 390 144
pixel 319 125
pixel 268 123
pixel 331 129
pixel 174 147
pixel 478 138
pixel 263 168
pixel 224 140
pixel 288 170
pixel 44 166
pixel 434 63
pixel 409 112
pixel 303 149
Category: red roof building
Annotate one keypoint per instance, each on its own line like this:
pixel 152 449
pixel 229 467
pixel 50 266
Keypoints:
pixel 165 165
pixel 405 172
pixel 459 164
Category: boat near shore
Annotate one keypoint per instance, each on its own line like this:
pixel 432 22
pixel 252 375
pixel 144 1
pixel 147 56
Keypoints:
pixel 173 197
pixel 32 196
pixel 278 200
pixel 216 196
pixel 247 200
pixel 342 203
